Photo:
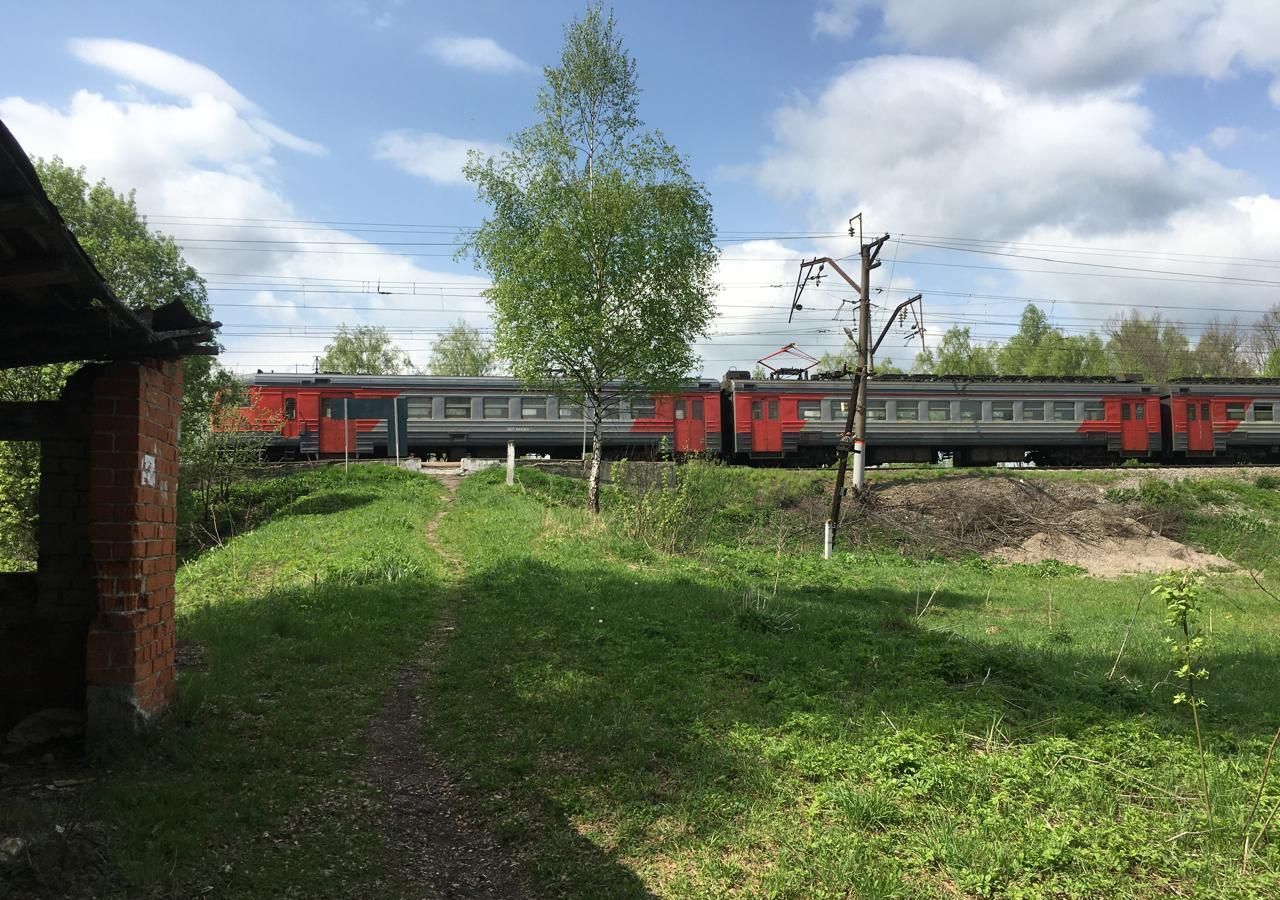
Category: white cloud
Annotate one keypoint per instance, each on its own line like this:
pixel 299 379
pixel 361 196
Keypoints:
pixel 942 145
pixel 1224 136
pixel 203 156
pixel 286 138
pixel 837 18
pixel 432 156
pixel 174 76
pixel 158 70
pixel 1087 43
pixel 480 54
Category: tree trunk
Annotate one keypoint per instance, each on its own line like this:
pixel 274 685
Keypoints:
pixel 593 482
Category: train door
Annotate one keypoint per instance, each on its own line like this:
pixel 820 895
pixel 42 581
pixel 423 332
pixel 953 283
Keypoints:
pixel 1199 427
pixel 766 425
pixel 1134 437
pixel 289 414
pixel 337 433
pixel 691 426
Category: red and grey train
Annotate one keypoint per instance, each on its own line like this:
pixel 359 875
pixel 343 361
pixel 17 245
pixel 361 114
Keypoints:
pixel 972 421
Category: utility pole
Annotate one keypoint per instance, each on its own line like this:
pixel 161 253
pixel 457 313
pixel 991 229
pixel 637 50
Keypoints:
pixel 854 437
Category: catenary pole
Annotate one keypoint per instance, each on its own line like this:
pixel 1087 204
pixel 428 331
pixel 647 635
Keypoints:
pixel 864 373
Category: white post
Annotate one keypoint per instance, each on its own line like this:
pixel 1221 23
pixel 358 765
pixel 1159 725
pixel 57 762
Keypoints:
pixel 859 464
pixel 395 425
pixel 346 436
pixel 826 539
pixel 511 463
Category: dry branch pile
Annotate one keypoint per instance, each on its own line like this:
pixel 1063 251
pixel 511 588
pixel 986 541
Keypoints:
pixel 950 516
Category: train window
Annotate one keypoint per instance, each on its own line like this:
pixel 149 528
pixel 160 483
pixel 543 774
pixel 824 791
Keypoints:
pixel 1235 412
pixel 496 408
pixel 939 410
pixel 1094 411
pixel 1204 412
pixel 1125 415
pixel 1064 410
pixel 1001 410
pixel 1033 411
pixel 907 411
pixel 876 410
pixel 457 407
pixel 418 407
pixel 533 408
pixel 1263 412
pixel 697 410
pixel 1191 412
pixel 970 410
pixel 773 409
pixel 679 410
pixel 841 408
pixel 612 407
pixel 328 406
pixel 570 410
pixel 642 408
pixel 809 409
pixel 290 408
pixel 1140 411
pixel 755 410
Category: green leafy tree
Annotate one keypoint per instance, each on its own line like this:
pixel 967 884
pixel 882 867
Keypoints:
pixel 462 352
pixel 599 243
pixel 1040 349
pixel 1151 347
pixel 847 358
pixel 364 350
pixel 957 355
pixel 145 269
pixel 1271 369
pixel 1023 353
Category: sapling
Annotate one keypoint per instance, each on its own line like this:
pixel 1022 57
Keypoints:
pixel 1181 595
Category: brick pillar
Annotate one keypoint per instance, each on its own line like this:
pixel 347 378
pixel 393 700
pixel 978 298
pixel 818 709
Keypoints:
pixel 133 483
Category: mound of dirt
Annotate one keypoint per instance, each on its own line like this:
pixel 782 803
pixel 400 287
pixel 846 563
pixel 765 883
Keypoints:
pixel 1111 557
pixel 1022 520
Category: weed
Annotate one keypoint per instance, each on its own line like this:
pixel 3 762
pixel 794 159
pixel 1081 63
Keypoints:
pixel 756 612
pixel 1180 593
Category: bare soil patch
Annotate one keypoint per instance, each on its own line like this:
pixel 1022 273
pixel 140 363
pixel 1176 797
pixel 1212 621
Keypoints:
pixel 441 846
pixel 1028 521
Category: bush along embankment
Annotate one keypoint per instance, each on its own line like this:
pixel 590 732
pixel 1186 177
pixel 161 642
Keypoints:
pixel 740 718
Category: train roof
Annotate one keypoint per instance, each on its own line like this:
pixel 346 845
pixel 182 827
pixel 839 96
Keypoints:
pixel 415 382
pixel 978 384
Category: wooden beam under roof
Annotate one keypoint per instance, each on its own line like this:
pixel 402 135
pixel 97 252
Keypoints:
pixel 38 272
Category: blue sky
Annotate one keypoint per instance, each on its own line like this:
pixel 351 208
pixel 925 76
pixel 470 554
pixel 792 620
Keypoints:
pixel 1111 154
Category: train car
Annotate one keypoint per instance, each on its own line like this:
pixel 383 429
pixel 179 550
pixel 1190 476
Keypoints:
pixel 974 421
pixel 1215 420
pixel 365 415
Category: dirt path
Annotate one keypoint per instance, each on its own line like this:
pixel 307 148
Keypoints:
pixel 442 847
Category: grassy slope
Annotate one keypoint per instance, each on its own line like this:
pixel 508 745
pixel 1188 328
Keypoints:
pixel 840 739
pixel 250 787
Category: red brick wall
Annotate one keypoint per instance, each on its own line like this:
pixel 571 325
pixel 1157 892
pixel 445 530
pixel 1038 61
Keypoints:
pixel 133 479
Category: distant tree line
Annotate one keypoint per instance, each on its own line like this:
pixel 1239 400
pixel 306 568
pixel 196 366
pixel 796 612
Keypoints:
pixel 1150 346
pixel 369 350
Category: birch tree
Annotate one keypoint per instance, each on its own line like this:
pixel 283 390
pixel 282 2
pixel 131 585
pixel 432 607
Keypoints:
pixel 599 243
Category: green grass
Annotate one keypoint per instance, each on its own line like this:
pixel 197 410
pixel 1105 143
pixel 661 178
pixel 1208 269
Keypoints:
pixel 741 719
pixel 250 786
pixel 646 723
